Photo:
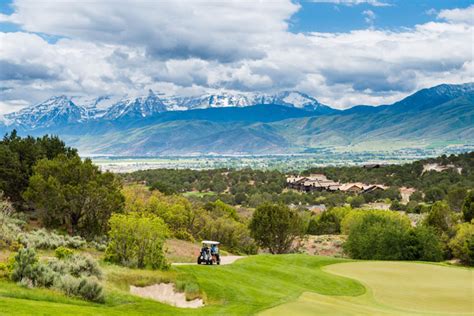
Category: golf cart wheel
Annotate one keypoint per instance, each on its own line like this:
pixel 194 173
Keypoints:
pixel 218 262
pixel 199 260
pixel 210 262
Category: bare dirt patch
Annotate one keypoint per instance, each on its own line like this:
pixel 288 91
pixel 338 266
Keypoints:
pixel 166 293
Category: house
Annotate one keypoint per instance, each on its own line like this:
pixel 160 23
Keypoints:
pixel 375 187
pixel 352 187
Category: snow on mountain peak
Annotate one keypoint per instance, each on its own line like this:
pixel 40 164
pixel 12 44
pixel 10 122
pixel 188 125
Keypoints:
pixel 64 110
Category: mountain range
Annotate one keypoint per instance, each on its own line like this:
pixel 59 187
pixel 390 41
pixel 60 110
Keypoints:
pixel 252 123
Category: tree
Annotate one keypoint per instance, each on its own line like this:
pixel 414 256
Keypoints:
pixel 74 193
pixel 328 222
pixel 378 235
pixel 423 243
pixel 468 207
pixel 137 240
pixel 462 243
pixel 440 217
pixel 456 198
pixel 357 201
pixel 19 155
pixel 275 227
pixel 434 194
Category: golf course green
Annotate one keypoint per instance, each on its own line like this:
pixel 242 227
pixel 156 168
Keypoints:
pixel 272 285
pixel 393 288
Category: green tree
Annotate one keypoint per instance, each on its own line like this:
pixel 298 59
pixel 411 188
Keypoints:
pixel 422 243
pixel 137 240
pixel 19 155
pixel 462 243
pixel 468 207
pixel 357 201
pixel 440 217
pixel 75 193
pixel 455 198
pixel 275 227
pixel 378 235
pixel 434 194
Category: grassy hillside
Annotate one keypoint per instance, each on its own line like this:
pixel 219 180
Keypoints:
pixel 257 283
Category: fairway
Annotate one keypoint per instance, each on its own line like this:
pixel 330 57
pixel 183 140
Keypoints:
pixel 246 287
pixel 394 288
pixel 273 285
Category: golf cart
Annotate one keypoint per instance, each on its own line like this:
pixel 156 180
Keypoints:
pixel 209 253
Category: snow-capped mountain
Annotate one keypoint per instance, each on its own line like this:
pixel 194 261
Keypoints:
pixel 54 111
pixel 289 98
pixel 140 107
pixel 61 110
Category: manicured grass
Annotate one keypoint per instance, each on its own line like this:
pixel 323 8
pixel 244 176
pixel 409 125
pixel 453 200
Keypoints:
pixel 246 287
pixel 394 288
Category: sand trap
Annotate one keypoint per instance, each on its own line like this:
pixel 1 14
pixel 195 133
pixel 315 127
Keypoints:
pixel 165 293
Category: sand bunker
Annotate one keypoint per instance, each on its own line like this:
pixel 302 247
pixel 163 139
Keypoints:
pixel 165 293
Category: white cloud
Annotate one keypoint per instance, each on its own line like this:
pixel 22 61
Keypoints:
pixel 375 3
pixel 181 48
pixel 369 16
pixel 458 15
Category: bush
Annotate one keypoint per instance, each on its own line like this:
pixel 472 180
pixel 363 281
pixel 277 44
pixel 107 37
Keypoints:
pixel 75 275
pixel 44 276
pixel 462 243
pixel 137 241
pixel 63 252
pixel 357 201
pixel 468 207
pixel 385 235
pixel 77 266
pixel 43 239
pixel 24 266
pixel 328 222
pixel 440 217
pixel 87 288
pixel 276 227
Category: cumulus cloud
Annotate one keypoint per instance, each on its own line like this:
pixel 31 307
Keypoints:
pixel 225 31
pixel 458 15
pixel 184 48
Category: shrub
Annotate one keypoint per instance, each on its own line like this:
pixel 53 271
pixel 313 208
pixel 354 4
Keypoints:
pixel 44 276
pixel 468 207
pixel 462 243
pixel 87 288
pixel 422 243
pixel 24 266
pixel 137 240
pixel 63 252
pixel 77 266
pixel 328 222
pixel 385 235
pixel 43 239
pixel 357 201
pixel 276 227
pixel 440 217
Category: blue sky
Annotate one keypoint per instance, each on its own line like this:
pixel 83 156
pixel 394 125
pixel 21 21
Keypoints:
pixel 343 52
pixel 331 17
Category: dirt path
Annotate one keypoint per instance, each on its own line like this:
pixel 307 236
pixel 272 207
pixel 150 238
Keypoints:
pixel 224 260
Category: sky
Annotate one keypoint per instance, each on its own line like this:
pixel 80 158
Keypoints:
pixel 342 52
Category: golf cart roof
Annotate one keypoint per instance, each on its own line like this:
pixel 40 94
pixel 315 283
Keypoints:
pixel 210 242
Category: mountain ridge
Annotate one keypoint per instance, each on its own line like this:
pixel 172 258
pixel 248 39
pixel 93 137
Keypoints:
pixel 437 116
